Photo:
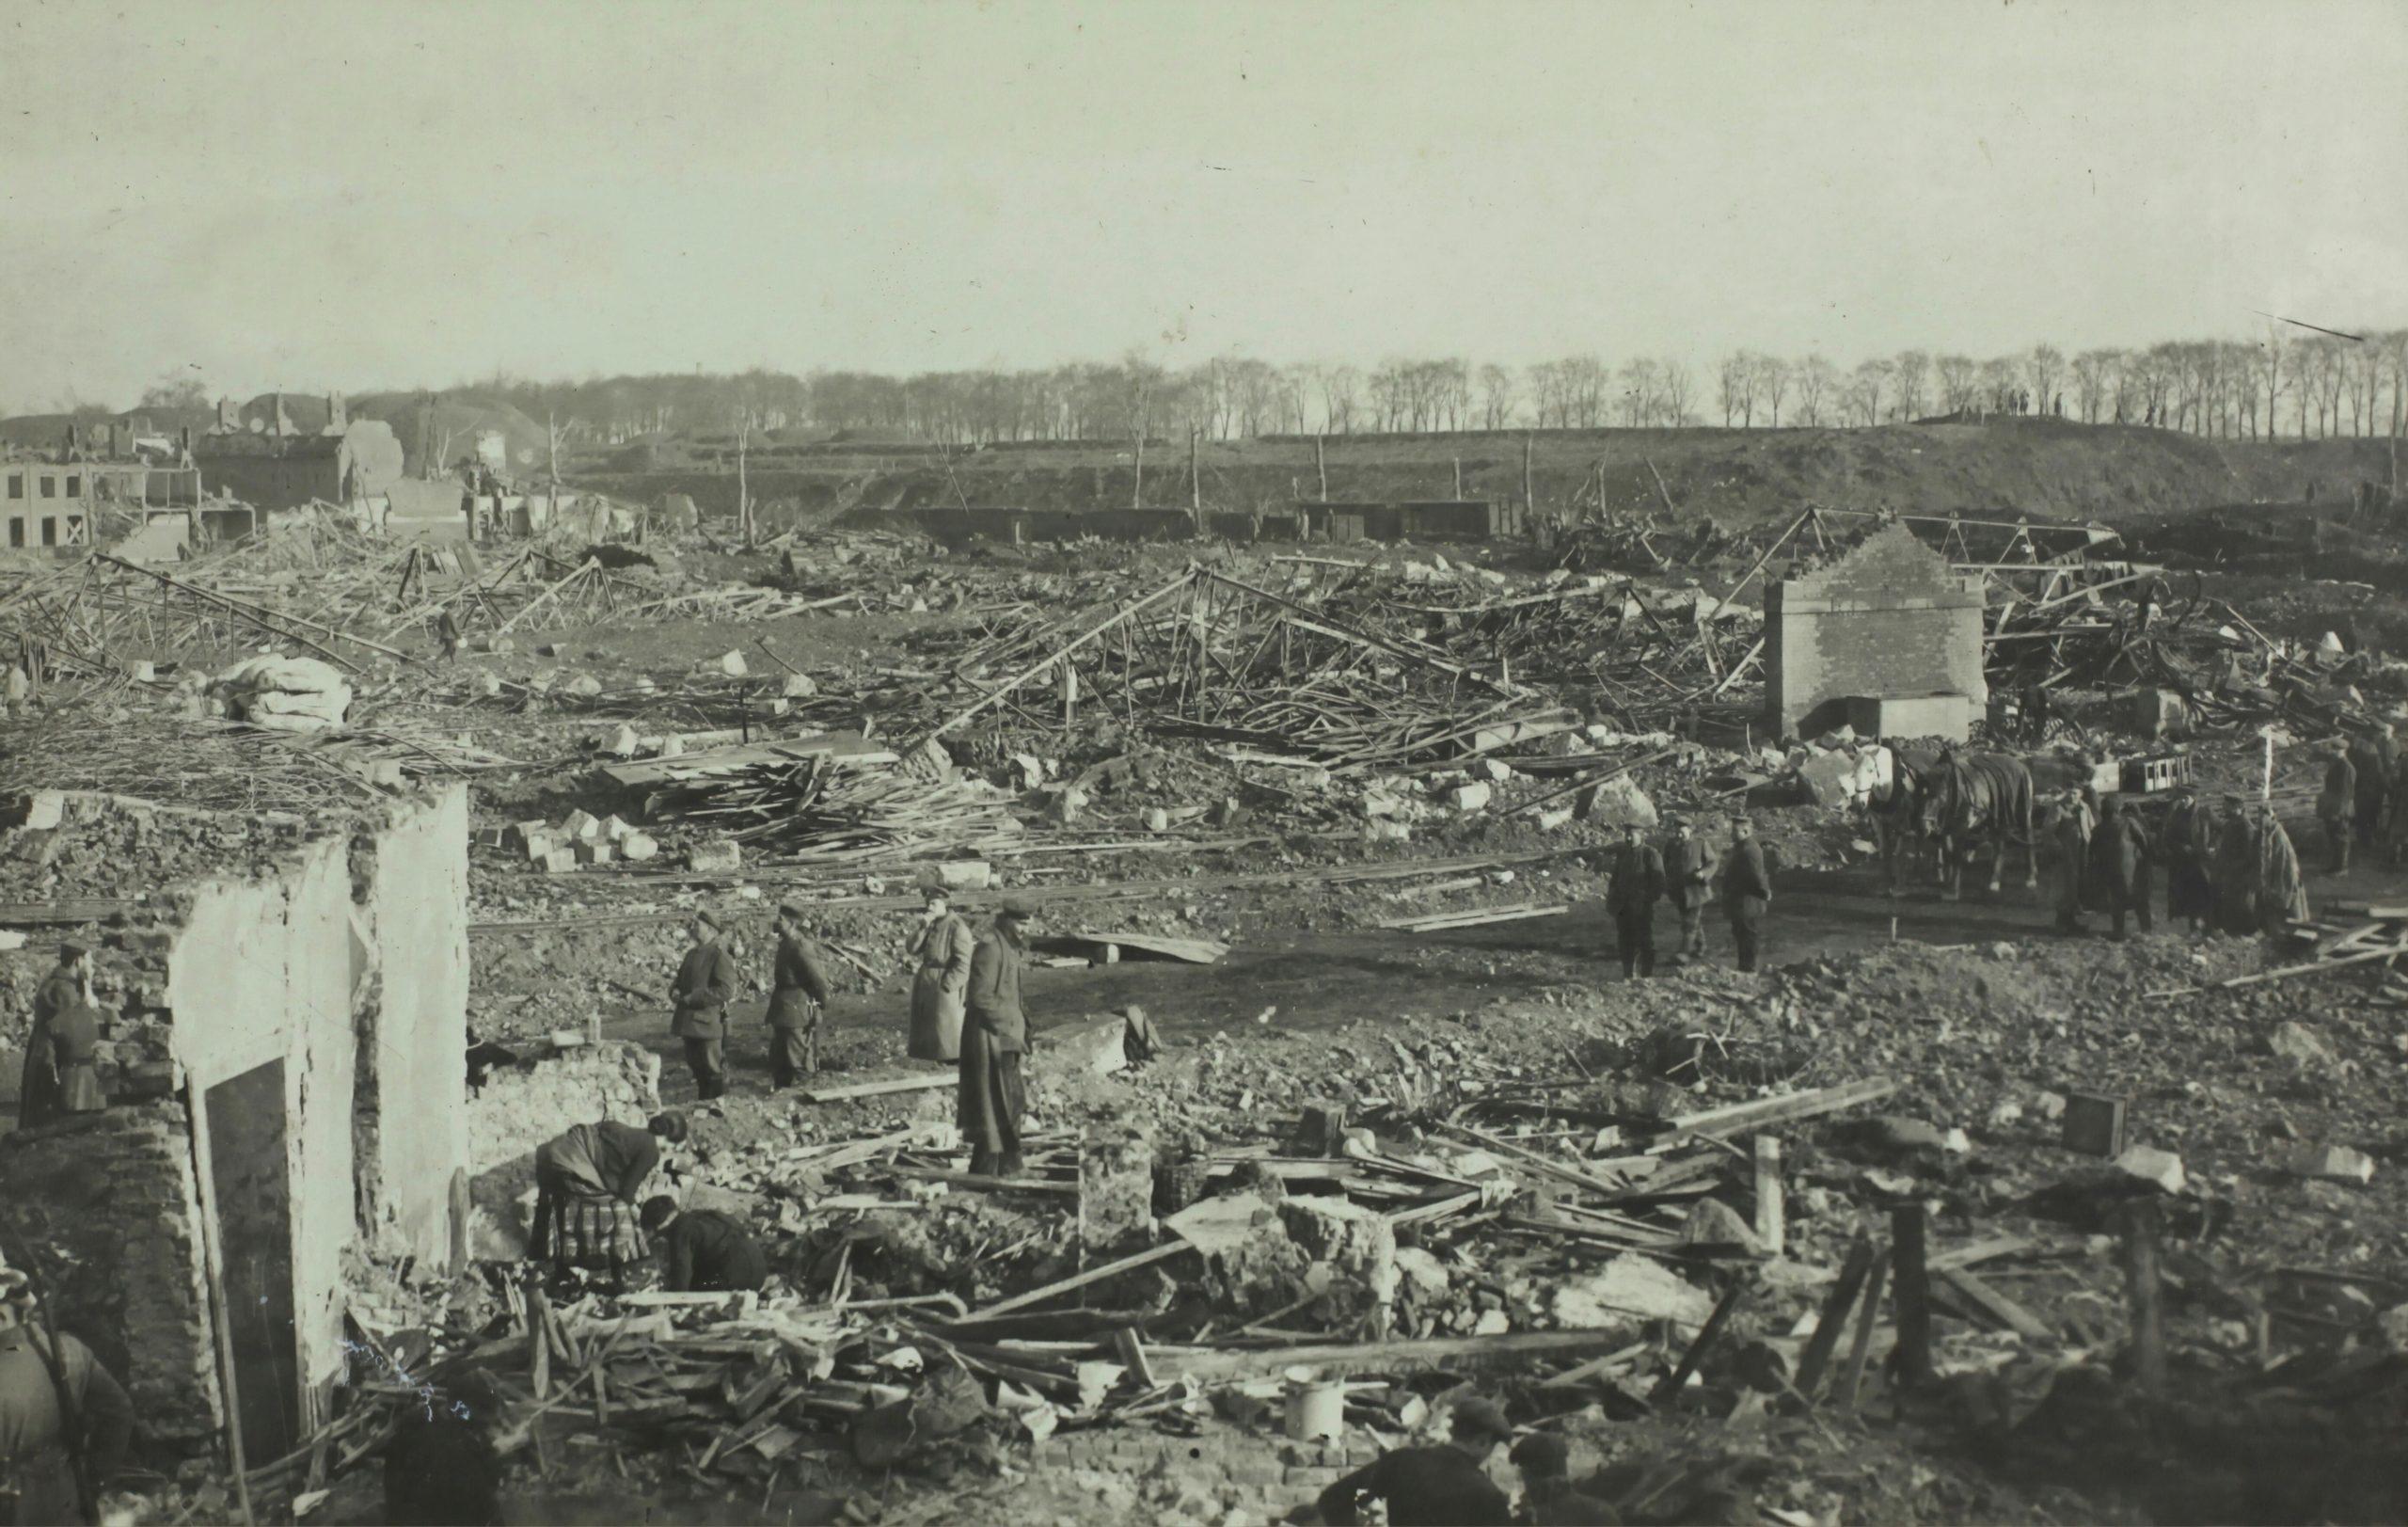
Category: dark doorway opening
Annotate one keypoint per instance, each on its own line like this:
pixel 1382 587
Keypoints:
pixel 252 1184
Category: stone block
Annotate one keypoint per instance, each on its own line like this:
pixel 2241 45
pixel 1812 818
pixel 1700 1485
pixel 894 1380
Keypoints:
pixel 636 847
pixel 1834 779
pixel 581 825
pixel 2156 713
pixel 731 663
pixel 798 686
pixel 714 858
pixel 966 874
pixel 1471 797
pixel 2150 1165
pixel 558 861
pixel 585 685
pixel 1631 1290
pixel 2299 1042
pixel 1554 819
pixel 2331 1164
pixel 1615 802
pixel 1115 1187
pixel 42 811
pixel 1254 1472
pixel 597 852
pixel 1095 1047
pixel 1946 716
pixel 1356 1242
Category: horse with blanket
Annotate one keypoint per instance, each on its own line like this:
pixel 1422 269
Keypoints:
pixel 1966 799
pixel 1895 806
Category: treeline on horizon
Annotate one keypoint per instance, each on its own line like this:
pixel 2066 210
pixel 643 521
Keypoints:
pixel 2302 386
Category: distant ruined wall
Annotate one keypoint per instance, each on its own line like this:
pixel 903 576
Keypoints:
pixel 1886 619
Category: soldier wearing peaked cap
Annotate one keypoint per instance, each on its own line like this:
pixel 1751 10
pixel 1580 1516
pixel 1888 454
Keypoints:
pixel 994 1037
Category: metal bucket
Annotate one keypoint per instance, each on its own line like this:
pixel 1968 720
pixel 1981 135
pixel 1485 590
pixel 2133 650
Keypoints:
pixel 1316 1407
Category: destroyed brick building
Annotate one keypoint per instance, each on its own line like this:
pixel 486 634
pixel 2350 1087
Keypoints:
pixel 1887 639
pixel 268 460
pixel 284 1066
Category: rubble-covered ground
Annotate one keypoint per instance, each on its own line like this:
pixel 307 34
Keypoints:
pixel 2279 1255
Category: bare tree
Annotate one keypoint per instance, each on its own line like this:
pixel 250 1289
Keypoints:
pixel 1817 380
pixel 1772 383
pixel 2091 370
pixel 1959 383
pixel 1674 386
pixel 1735 380
pixel 1909 374
pixel 1640 385
pixel 1864 389
pixel 1497 395
pixel 2042 368
pixel 1341 386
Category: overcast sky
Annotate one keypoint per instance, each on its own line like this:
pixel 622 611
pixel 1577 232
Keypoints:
pixel 322 196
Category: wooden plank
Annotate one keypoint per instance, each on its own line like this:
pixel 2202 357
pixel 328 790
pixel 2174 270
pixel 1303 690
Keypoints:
pixel 1732 1299
pixel 1380 1356
pixel 1771 1227
pixel 1837 1306
pixel 1851 1379
pixel 1194 951
pixel 1910 1227
pixel 1990 1302
pixel 1435 921
pixel 635 776
pixel 1532 1158
pixel 878 1090
pixel 1975 1252
pixel 1078 1280
pixel 2320 967
pixel 1788 1108
pixel 992 1185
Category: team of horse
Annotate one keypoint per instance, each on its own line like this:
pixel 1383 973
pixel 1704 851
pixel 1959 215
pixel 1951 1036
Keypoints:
pixel 1947 811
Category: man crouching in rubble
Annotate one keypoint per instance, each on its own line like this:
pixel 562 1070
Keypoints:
pixel 586 1183
pixel 1439 1487
pixel 64 1422
pixel 702 1251
pixel 994 1035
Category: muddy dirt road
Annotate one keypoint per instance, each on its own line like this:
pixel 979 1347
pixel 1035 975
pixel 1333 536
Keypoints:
pixel 1328 980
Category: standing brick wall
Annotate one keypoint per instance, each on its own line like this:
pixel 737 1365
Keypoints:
pixel 1889 619
pixel 107 1207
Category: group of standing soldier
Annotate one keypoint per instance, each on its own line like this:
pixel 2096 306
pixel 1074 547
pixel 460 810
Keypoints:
pixel 2362 801
pixel 965 1011
pixel 1682 871
pixel 2232 868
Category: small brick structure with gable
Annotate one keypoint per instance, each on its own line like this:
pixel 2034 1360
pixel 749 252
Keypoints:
pixel 1889 620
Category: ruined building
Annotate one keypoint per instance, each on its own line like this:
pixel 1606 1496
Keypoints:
pixel 1886 639
pixel 284 1061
